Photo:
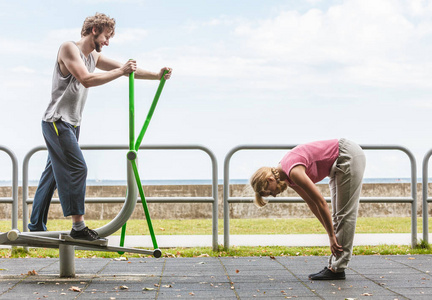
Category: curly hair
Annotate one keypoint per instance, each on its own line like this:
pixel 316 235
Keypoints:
pixel 100 22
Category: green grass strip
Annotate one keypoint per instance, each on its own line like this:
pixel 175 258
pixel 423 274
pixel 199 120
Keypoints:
pixel 242 251
pixel 240 226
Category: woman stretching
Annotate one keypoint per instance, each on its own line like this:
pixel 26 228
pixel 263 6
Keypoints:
pixel 344 162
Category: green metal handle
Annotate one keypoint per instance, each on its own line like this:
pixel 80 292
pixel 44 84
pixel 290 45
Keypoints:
pixel 131 111
pixel 151 111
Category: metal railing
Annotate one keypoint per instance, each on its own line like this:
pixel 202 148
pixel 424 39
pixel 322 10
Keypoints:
pixel 226 198
pixel 413 199
pixel 213 199
pixel 14 199
pixel 425 199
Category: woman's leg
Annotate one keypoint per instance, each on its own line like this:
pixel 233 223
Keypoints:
pixel 345 185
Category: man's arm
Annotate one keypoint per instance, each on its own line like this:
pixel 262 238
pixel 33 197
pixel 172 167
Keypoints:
pixel 108 64
pixel 70 60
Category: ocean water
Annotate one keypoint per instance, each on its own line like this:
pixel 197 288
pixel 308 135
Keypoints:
pixel 206 181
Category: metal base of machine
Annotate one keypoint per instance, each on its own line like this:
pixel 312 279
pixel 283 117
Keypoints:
pixel 66 246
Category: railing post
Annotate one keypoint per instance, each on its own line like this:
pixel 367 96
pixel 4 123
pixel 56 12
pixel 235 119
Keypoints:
pixel 25 184
pixel 215 204
pixel 14 185
pixel 225 198
pixel 413 164
pixel 425 198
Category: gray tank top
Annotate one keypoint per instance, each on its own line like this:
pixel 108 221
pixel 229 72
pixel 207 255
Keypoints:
pixel 68 95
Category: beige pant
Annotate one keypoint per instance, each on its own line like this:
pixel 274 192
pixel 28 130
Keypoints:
pixel 346 177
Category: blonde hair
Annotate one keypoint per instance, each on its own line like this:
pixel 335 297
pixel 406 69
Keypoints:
pixel 259 183
pixel 100 22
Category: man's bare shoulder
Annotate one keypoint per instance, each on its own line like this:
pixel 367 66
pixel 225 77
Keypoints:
pixel 68 44
pixel 68 49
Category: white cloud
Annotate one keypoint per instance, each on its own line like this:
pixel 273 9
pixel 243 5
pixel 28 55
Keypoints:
pixel 100 2
pixel 425 104
pixel 222 21
pixel 15 46
pixel 23 70
pixel 355 43
pixel 418 7
pixel 59 36
pixel 372 42
pixel 128 35
pixel 44 47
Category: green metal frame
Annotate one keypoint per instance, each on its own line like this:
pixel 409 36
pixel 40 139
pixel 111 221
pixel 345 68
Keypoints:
pixel 134 147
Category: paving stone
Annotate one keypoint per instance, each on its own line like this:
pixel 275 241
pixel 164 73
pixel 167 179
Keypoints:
pixel 6 284
pixel 413 292
pixel 24 265
pixel 117 295
pixel 356 293
pixel 197 294
pixel 252 291
pixel 43 289
pixel 170 279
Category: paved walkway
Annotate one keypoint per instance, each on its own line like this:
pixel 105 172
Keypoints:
pixel 369 277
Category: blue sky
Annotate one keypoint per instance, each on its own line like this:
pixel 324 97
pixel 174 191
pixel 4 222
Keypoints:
pixel 245 72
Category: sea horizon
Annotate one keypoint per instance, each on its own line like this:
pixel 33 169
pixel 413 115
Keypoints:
pixel 108 182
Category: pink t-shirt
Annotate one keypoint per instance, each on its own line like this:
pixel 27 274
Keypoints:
pixel 317 157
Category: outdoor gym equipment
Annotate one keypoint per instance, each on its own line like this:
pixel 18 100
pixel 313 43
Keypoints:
pixel 56 239
pixel 132 154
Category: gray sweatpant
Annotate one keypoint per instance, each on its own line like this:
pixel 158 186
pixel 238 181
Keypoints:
pixel 346 177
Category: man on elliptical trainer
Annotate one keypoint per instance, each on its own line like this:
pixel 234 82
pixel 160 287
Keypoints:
pixel 66 168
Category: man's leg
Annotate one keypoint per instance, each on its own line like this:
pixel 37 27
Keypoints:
pixel 70 170
pixel 69 167
pixel 42 199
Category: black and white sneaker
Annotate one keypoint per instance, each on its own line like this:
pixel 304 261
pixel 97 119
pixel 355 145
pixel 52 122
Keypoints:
pixel 87 236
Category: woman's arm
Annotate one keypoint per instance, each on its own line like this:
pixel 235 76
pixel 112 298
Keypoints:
pixel 316 202
pixel 309 202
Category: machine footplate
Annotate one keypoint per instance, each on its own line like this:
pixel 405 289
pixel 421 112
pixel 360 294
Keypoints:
pixel 16 238
pixel 102 242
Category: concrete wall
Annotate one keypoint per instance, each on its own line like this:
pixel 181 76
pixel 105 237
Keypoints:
pixel 196 211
